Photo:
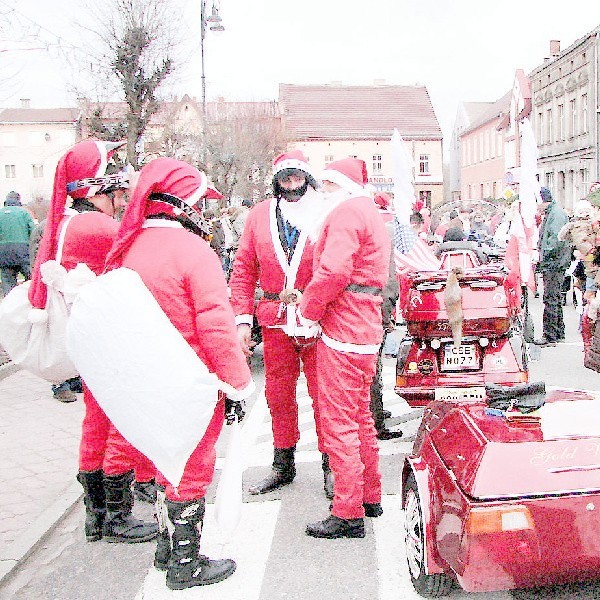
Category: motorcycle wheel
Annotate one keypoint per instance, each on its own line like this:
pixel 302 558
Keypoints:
pixel 433 585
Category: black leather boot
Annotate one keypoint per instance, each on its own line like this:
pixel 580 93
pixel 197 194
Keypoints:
pixel 145 491
pixel 95 503
pixel 187 567
pixel 327 477
pixel 282 472
pixel 119 524
pixel 373 509
pixel 163 545
pixel 333 527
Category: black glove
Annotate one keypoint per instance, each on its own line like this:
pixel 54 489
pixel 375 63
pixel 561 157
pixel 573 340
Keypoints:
pixel 234 411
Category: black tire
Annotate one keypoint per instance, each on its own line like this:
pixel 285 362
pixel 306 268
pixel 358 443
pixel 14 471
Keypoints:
pixel 429 586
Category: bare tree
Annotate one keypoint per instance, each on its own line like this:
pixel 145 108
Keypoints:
pixel 235 146
pixel 137 46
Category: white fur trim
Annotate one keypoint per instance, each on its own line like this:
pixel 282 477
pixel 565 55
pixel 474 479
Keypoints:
pixel 343 181
pixel 291 163
pixel 194 198
pixel 237 395
pixel 244 320
pixel 101 172
pixel 150 223
pixel 347 347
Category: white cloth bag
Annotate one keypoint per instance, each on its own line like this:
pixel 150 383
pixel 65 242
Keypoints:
pixel 228 500
pixel 35 338
pixel 143 373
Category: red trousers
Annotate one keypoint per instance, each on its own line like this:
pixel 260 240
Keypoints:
pixel 103 447
pixel 200 467
pixel 348 431
pixel 283 357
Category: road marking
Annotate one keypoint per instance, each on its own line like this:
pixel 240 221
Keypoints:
pixel 250 549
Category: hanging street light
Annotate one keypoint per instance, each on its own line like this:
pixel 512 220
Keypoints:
pixel 213 21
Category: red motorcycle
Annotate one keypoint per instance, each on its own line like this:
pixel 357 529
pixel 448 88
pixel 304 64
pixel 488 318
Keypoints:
pixel 462 338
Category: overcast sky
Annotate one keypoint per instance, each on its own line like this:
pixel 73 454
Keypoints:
pixel 462 50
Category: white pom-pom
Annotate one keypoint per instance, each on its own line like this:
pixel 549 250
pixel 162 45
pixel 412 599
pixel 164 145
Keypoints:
pixel 37 315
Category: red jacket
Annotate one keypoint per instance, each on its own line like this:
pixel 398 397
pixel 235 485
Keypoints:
pixel 353 248
pixel 88 238
pixel 261 259
pixel 185 276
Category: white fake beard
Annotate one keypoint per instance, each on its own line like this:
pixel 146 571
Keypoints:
pixel 301 213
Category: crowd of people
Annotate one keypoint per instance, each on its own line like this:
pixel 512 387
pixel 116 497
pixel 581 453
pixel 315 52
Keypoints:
pixel 320 250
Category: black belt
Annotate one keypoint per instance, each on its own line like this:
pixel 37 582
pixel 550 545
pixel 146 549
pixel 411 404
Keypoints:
pixel 364 289
pixel 274 295
pixel 271 296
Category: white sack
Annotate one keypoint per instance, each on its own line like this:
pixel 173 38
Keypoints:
pixel 145 376
pixel 228 501
pixel 35 338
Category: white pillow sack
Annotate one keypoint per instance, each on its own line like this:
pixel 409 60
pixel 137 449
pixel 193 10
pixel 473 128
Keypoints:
pixel 145 376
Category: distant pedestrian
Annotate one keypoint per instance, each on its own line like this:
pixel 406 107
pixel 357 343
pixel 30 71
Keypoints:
pixel 16 226
pixel 555 257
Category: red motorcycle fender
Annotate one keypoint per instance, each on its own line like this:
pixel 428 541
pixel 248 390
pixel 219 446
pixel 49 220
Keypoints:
pixel 420 471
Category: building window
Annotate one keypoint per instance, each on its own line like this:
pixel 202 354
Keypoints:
pixel 549 136
pixel 38 170
pixel 573 106
pixel 424 164
pixel 10 171
pixel 376 163
pixel 584 113
pixel 328 158
pixel 561 121
pixel 540 128
pixel 425 197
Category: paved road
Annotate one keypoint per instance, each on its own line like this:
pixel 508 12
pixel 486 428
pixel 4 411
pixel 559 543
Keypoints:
pixel 276 560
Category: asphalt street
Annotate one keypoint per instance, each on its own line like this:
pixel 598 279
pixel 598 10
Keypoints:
pixel 276 560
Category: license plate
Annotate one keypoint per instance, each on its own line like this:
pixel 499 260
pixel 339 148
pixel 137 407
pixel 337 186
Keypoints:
pixel 458 394
pixel 457 359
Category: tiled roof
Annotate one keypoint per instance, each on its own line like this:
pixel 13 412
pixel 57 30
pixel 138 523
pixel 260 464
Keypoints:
pixel 350 112
pixel 493 111
pixel 39 115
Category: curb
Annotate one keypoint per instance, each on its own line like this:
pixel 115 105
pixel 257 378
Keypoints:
pixel 27 541
pixel 7 369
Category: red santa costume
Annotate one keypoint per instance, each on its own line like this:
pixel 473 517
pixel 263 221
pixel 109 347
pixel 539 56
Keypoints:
pixel 89 234
pixel 186 279
pixel 275 253
pixel 351 266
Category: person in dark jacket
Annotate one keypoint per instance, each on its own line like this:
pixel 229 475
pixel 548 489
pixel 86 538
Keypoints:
pixel 16 226
pixel 555 256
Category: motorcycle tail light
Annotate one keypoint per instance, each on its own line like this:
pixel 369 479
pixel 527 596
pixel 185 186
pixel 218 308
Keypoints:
pixel 496 519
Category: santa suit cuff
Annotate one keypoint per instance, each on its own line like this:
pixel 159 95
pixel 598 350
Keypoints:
pixel 238 395
pixel 244 320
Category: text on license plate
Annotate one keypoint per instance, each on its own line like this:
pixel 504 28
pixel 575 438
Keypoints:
pixel 463 357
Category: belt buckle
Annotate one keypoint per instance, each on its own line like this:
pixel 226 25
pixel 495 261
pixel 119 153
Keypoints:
pixel 290 296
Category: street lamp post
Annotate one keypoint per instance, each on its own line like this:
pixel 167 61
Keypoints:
pixel 214 22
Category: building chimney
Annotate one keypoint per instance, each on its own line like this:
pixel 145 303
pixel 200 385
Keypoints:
pixel 554 48
pixel 25 103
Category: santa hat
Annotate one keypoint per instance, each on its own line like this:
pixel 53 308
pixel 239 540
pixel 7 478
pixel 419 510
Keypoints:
pixel 161 182
pixel 294 159
pixel 80 173
pixel 349 173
